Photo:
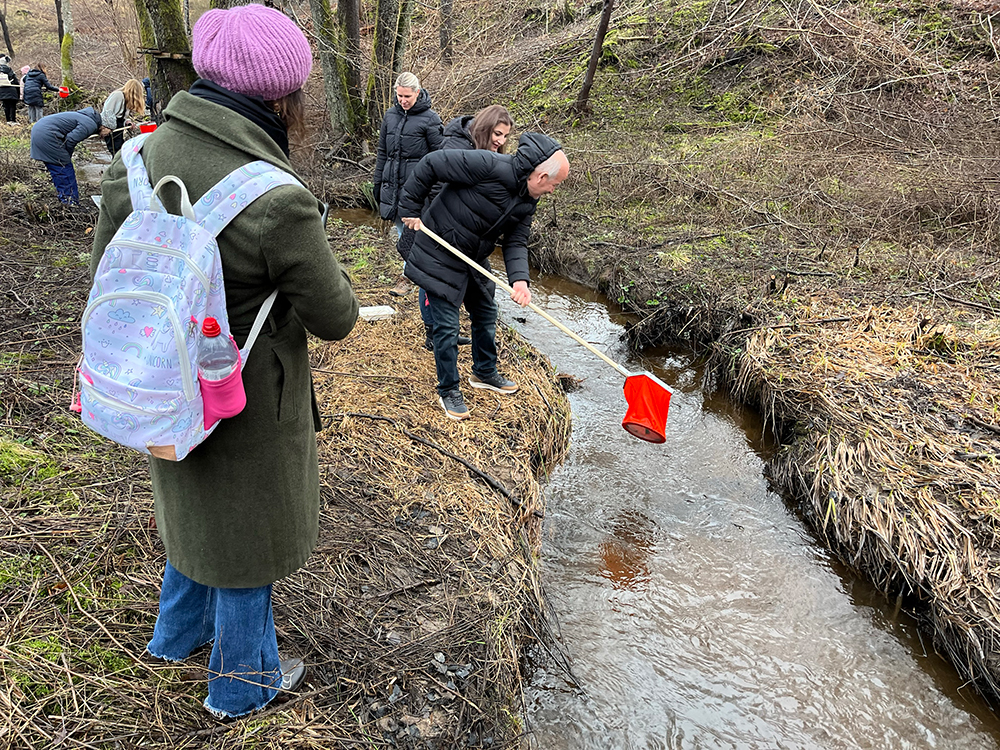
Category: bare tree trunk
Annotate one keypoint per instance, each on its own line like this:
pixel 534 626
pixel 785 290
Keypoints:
pixel 6 31
pixel 187 16
pixel 595 57
pixel 165 23
pixel 349 18
pixel 447 29
pixel 59 20
pixel 148 41
pixel 392 30
pixel 66 47
pixel 402 36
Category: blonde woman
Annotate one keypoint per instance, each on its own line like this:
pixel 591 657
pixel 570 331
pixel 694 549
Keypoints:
pixel 130 98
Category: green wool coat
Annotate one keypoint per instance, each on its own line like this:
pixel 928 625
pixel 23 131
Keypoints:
pixel 242 510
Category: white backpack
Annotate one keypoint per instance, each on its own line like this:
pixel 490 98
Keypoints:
pixel 160 276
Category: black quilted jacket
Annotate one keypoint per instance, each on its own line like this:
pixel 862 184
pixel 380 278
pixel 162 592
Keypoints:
pixel 404 137
pixel 485 197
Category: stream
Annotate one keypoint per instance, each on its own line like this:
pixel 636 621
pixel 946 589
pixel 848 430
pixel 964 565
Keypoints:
pixel 696 606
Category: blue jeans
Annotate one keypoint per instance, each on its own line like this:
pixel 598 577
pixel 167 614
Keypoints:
pixel 426 314
pixel 244 668
pixel 482 311
pixel 64 178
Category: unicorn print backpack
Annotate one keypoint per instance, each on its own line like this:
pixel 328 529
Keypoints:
pixel 159 278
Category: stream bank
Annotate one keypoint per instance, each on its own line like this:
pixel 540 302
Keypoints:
pixel 415 608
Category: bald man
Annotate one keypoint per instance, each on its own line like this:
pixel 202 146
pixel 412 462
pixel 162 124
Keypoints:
pixel 487 198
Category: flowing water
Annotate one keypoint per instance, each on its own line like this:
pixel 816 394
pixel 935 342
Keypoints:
pixel 697 608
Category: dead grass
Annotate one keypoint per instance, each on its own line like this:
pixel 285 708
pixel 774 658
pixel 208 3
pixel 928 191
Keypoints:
pixel 415 608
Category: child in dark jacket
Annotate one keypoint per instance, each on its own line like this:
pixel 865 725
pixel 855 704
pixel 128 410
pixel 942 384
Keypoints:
pixel 10 90
pixel 35 82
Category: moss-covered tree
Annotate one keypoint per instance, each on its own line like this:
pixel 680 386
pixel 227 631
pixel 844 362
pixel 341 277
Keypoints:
pixel 338 54
pixel 392 28
pixel 66 47
pixel 161 27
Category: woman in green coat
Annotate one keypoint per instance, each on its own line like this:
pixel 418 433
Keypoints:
pixel 242 510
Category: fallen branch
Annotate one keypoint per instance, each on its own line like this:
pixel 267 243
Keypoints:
pixel 359 375
pixel 983 425
pixel 402 589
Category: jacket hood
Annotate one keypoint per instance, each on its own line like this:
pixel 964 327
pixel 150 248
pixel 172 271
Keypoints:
pixel 532 150
pixel 459 128
pixel 423 102
pixel 92 114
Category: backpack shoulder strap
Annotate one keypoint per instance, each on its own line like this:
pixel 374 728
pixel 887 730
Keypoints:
pixel 237 190
pixel 139 187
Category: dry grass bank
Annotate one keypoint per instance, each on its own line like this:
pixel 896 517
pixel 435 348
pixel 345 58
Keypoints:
pixel 413 612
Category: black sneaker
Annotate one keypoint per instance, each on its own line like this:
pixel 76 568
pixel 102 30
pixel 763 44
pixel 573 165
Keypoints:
pixel 496 382
pixel 464 341
pixel 454 405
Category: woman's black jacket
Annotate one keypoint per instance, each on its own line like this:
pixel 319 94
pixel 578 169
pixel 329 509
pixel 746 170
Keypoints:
pixel 10 87
pixel 403 139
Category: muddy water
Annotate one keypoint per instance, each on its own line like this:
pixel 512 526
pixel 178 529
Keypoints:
pixel 92 172
pixel 697 608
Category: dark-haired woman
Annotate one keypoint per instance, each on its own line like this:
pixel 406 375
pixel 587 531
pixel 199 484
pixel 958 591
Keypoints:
pixel 242 510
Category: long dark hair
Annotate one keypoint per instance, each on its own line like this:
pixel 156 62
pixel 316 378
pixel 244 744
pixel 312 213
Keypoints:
pixel 482 125
pixel 291 108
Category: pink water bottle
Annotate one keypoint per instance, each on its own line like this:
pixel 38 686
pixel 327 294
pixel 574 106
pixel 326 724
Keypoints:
pixel 219 373
pixel 217 356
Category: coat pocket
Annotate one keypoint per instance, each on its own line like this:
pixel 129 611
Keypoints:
pixel 290 397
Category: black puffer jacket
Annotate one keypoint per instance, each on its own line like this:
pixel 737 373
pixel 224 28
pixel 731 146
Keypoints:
pixel 403 139
pixel 486 196
pixel 10 87
pixel 35 81
pixel 456 133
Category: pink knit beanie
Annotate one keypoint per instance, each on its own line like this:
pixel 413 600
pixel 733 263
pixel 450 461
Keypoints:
pixel 252 50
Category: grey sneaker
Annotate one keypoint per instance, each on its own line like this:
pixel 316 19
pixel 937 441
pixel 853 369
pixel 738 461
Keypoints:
pixel 454 405
pixel 293 674
pixel 495 382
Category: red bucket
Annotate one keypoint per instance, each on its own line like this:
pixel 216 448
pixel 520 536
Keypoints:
pixel 648 402
pixel 63 92
pixel 147 127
